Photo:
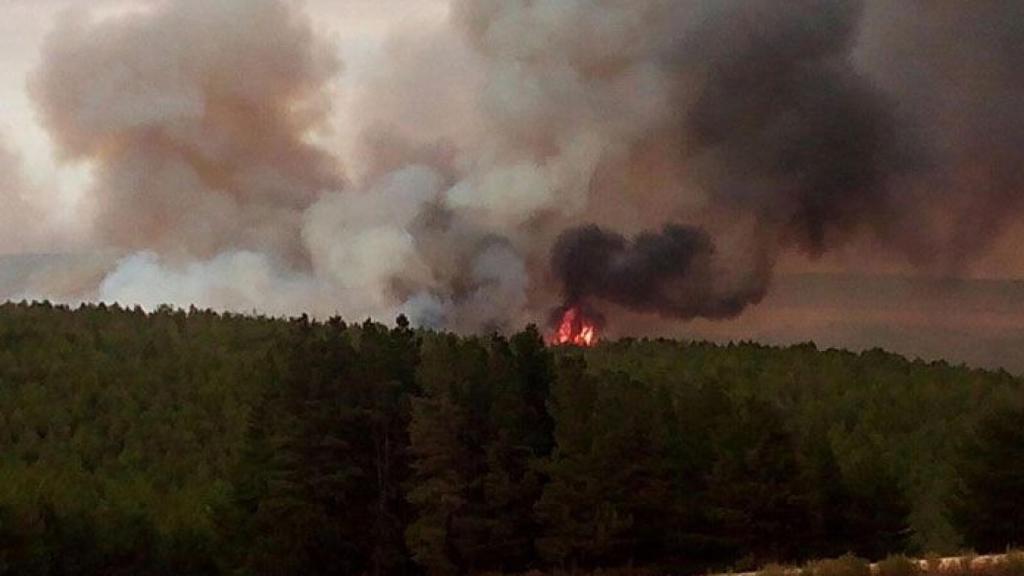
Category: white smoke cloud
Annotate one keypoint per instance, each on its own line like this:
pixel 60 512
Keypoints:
pixel 500 276
pixel 360 240
pixel 235 281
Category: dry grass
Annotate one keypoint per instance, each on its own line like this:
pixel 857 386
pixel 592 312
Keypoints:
pixel 899 566
pixel 1011 564
pixel 848 565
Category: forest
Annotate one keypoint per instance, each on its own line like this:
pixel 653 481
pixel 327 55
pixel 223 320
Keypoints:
pixel 191 442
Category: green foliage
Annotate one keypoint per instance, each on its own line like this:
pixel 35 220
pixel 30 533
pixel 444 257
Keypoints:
pixel 990 506
pixel 329 454
pixel 609 484
pixel 877 508
pixel 477 442
pixel 189 442
pixel 758 502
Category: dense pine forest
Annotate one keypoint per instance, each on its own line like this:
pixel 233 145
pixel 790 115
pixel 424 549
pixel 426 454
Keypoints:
pixel 190 442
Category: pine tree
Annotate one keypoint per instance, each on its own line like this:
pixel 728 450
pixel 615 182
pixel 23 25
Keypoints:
pixel 609 483
pixel 476 438
pixel 439 455
pixel 990 502
pixel 877 508
pixel 757 501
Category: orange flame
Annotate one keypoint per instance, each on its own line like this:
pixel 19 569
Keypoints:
pixel 575 329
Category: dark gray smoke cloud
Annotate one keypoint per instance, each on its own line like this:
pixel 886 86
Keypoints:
pixel 791 131
pixel 819 122
pixel 670 272
pixel 956 70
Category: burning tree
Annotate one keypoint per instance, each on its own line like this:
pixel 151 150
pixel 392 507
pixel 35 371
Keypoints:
pixel 576 328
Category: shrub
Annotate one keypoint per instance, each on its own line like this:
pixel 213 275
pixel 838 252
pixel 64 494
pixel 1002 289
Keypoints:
pixel 775 570
pixel 898 566
pixel 1013 565
pixel 848 565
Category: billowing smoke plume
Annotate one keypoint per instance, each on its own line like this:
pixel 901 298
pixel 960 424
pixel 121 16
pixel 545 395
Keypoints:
pixel 197 116
pixel 781 130
pixel 513 156
pixel 787 131
pixel 784 126
pixel 671 272
pixel 956 72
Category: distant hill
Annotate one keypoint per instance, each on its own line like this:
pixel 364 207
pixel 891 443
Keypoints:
pixel 976 322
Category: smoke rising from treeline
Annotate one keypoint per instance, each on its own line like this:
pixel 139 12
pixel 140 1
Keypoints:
pixel 660 155
pixel 670 272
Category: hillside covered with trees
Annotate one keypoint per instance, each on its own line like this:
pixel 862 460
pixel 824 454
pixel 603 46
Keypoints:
pixel 190 442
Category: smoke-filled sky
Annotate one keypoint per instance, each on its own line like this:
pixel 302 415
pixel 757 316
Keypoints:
pixel 847 171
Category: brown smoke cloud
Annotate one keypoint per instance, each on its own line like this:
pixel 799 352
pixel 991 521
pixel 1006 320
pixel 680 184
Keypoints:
pixel 196 116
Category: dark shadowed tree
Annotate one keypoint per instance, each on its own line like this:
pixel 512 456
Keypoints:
pixel 758 503
pixel 876 521
pixel 990 504
pixel 478 430
pixel 609 476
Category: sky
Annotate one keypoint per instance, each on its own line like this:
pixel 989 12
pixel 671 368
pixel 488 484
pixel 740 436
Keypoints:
pixel 425 156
